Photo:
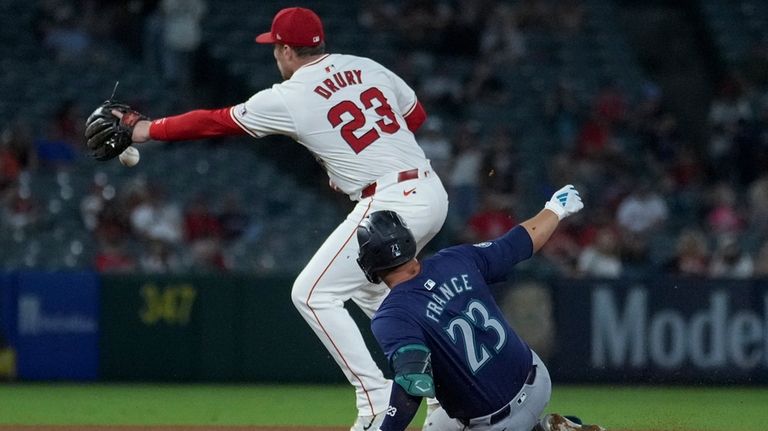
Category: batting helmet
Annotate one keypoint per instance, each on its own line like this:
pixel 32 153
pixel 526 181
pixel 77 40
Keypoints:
pixel 385 242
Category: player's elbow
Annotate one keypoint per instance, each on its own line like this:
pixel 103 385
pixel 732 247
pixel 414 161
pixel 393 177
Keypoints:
pixel 416 117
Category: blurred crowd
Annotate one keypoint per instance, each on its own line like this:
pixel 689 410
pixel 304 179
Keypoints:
pixel 656 200
pixel 144 229
pixel 165 34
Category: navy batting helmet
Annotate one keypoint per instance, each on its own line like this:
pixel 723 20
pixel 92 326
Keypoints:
pixel 385 242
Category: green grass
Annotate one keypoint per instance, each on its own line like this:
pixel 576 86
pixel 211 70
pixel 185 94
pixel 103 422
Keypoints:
pixel 635 408
pixel 666 408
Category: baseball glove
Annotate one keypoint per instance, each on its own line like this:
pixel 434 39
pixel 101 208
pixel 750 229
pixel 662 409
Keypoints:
pixel 107 135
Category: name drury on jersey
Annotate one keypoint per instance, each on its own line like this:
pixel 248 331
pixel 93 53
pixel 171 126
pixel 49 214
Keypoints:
pixel 444 293
pixel 339 81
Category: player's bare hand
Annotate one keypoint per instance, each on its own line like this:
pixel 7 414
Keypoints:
pixel 140 130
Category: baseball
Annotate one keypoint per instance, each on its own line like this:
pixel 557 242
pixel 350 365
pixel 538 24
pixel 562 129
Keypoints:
pixel 129 157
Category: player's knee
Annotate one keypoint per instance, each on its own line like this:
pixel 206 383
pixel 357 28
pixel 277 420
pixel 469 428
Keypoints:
pixel 300 295
pixel 307 297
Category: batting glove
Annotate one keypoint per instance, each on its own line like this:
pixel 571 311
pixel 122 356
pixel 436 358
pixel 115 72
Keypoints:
pixel 565 202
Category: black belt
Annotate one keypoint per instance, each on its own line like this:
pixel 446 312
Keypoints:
pixel 506 410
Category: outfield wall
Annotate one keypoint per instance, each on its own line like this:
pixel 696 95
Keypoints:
pixel 82 326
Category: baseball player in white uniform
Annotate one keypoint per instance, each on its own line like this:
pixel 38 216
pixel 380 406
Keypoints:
pixel 358 119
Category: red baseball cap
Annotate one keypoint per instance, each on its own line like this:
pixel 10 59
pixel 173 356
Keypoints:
pixel 295 26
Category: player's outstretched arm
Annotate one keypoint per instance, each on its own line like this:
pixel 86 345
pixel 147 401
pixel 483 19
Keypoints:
pixel 197 124
pixel 563 203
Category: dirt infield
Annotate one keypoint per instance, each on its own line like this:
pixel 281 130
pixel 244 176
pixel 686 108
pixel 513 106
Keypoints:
pixel 161 428
pixel 184 428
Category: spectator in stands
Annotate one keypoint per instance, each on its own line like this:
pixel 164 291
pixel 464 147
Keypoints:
pixel 662 139
pixel 21 211
pixel 443 89
pixel 207 255
pixel 112 257
pixel 69 123
pixel 720 151
pixel 182 36
pixel 691 257
pixel 199 221
pixel 435 144
pixel 493 219
pixel 723 216
pixel 611 104
pixel 157 218
pixel 562 250
pixel 378 15
pixel 730 260
pixel 464 175
pixel 484 86
pixel 233 219
pixel 60 28
pixel 92 204
pixel 17 139
pixel 643 210
pixel 595 139
pixel 159 258
pixel 687 170
pixel 502 40
pixel 203 233
pixel 730 106
pixel 562 110
pixel 421 22
pixel 640 215
pixel 10 165
pixel 601 259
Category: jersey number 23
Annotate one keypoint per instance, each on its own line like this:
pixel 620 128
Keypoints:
pixel 476 317
pixel 371 98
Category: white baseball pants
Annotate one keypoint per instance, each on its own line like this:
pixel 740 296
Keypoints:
pixel 332 277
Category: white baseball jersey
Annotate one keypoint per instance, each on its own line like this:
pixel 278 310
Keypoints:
pixel 348 111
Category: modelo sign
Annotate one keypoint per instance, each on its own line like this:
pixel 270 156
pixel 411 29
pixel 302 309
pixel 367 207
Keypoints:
pixel 666 330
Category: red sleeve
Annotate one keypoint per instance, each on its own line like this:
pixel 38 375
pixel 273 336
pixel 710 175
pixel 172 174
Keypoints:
pixel 415 117
pixel 197 124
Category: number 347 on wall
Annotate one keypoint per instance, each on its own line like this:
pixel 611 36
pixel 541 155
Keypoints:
pixel 171 304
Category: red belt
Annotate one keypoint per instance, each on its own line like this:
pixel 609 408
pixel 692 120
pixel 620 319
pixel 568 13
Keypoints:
pixel 370 189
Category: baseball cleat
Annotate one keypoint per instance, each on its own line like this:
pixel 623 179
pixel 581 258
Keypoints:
pixel 575 419
pixel 555 422
pixel 368 423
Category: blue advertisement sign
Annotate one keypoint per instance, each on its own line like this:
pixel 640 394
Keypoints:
pixel 662 331
pixel 8 307
pixel 57 328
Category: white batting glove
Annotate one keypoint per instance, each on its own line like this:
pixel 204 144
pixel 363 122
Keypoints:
pixel 565 202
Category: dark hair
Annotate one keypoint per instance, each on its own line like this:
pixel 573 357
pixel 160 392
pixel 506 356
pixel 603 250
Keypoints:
pixel 308 51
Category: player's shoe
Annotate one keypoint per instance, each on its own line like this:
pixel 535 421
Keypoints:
pixel 574 419
pixel 431 407
pixel 368 423
pixel 555 422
